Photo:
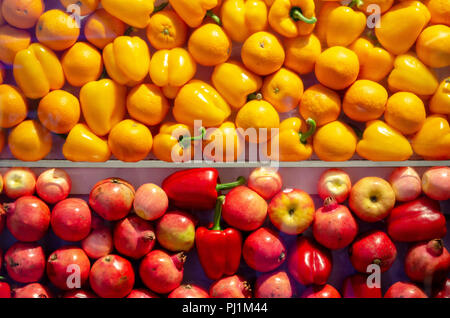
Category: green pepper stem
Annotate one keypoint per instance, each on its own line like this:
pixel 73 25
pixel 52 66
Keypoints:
pixel 297 15
pixel 218 214
pixel 253 96
pixel 226 186
pixel 128 31
pixel 185 141
pixel 161 7
pixel 312 129
pixel 357 3
pixel 214 17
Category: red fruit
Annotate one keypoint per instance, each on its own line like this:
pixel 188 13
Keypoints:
pixel 175 231
pixel 335 183
pixel 373 247
pixel 418 220
pixel 25 262
pixel 79 293
pixel 162 272
pixel 53 185
pixel 428 262
pixel 5 290
pixel 19 182
pixel 188 291
pixel 265 181
pixel 443 290
pixel 334 226
pixel 244 209
pixel 230 287
pixel 309 263
pixel 436 183
pixel 68 268
pixel 28 218
pixel 99 242
pixel 71 219
pixel 404 290
pixel 356 286
pixel 324 291
pixel 112 276
pixel 263 250
pixel 134 237
pixel 112 198
pixel 2 218
pixel 142 293
pixel 274 285
pixel 151 202
pixel 34 290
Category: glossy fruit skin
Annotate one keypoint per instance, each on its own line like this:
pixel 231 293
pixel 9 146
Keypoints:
pixel 175 231
pixel 428 262
pixel 112 198
pixel 355 286
pixel 406 184
pixel 324 291
pixel 142 293
pixel 417 220
pixel 309 263
pixel 443 290
pixel 404 290
pixel 150 202
pixel 373 247
pixel 14 105
pixel 33 290
pixel 230 287
pixel 102 28
pixel 436 183
pixel 99 242
pixel 162 272
pixel 5 290
pixel 19 182
pixel 274 285
pixel 263 250
pixel 79 293
pixel 334 226
pixel 188 291
pixel 22 14
pixel 134 237
pixel 28 218
pixel 71 219
pixel 336 183
pixel 53 185
pixel 112 276
pixel 58 270
pixel 25 262
pixel 266 182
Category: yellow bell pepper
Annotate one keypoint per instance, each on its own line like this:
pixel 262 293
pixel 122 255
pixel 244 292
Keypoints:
pixel 173 142
pixel 193 12
pixel 401 25
pixel 440 102
pixel 322 20
pixel 198 100
pixel 133 12
pixel 335 141
pixel 171 69
pixel 127 60
pixel 83 145
pixel 103 104
pixel 235 83
pixel 223 144
pixel 440 11
pixel 242 18
pixel 292 18
pixel 2 73
pixel 432 141
pixel 344 26
pixel 411 75
pixel 433 46
pixel 293 143
pixel 380 142
pixel 37 70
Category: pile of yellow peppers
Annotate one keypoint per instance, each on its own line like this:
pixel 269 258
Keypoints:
pixel 125 83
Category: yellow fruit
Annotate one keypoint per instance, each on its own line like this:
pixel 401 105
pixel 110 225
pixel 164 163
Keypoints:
pixel 405 112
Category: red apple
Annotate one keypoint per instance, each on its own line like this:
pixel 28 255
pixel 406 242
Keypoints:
pixel 244 209
pixel 274 285
pixel 334 183
pixel 372 199
pixel 79 293
pixel 71 219
pixel 19 182
pixel 150 202
pixel 265 181
pixel 142 293
pixel 404 290
pixel 53 185
pixel 188 291
pixel 292 211
pixel 356 286
pixel 230 287
pixel 323 291
pixel 134 237
pixel 25 262
pixel 33 290
pixel 406 184
pixel 436 183
pixel 175 231
pixel 99 242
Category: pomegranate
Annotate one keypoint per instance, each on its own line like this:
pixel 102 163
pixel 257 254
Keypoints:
pixel 5 290
pixel 68 268
pixel 25 262
pixel 428 262
pixel 175 231
pixel 19 182
pixel 274 285
pixel 323 291
pixel 142 293
pixel 443 290
pixel 265 181
pixel 263 250
pixel 188 291
pixel 99 242
pixel 373 247
pixel 162 272
pixel 230 287
pixel 71 219
pixel 79 293
pixel 2 219
pixel 134 237
pixel 404 290
pixel 309 263
pixel 356 286
pixel 112 276
pixel 53 185
pixel 151 202
pixel 28 218
pixel 112 198
pixel 34 290
pixel 334 226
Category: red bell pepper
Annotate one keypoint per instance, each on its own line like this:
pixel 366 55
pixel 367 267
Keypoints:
pixel 418 220
pixel 219 251
pixel 196 188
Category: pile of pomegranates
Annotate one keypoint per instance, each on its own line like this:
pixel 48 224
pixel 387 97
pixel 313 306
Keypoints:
pixel 264 240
